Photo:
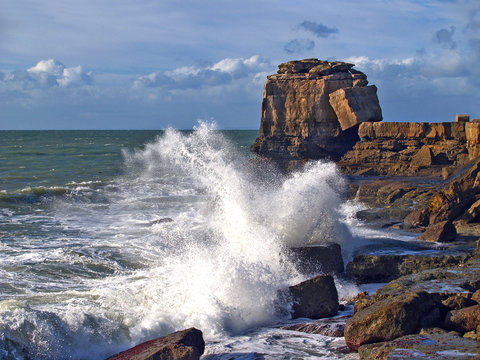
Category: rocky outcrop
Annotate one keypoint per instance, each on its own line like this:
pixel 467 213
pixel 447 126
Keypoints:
pixel 181 345
pixel 383 268
pixel 389 319
pixel 315 298
pixel 464 319
pixel 441 346
pixel 394 148
pixel 298 120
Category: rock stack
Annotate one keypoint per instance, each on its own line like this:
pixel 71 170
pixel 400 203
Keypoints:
pixel 311 110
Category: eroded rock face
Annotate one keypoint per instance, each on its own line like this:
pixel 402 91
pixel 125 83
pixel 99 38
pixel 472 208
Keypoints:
pixel 356 105
pixel 407 148
pixel 298 121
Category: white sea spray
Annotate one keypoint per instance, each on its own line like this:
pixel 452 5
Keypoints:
pixel 218 266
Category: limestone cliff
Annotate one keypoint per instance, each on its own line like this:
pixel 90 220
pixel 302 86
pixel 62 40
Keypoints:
pixel 311 110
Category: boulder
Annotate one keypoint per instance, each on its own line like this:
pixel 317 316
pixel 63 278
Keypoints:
pixel 423 158
pixel 355 105
pixel 181 345
pixel 451 201
pixel 417 218
pixel 315 298
pixel 463 320
pixel 441 232
pixel 440 346
pixel 388 319
pixel 325 258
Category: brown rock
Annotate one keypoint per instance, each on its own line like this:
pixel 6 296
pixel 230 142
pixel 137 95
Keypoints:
pixel 334 327
pixel 355 105
pixel 315 298
pixel 451 201
pixel 463 320
pixel 458 302
pixel 472 214
pixel 181 345
pixel 383 268
pixel 360 82
pixel 298 122
pixel 476 296
pixel 417 218
pixel 388 319
pixel 441 232
pixel 423 158
pixel 462 118
pixel 299 66
pixel 326 258
pixel 440 346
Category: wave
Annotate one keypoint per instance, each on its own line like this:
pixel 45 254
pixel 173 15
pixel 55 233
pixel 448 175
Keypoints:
pixel 218 263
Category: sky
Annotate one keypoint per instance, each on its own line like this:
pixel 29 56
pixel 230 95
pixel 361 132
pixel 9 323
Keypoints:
pixel 153 64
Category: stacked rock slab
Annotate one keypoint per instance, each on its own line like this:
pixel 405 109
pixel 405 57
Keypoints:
pixel 311 110
pixel 408 148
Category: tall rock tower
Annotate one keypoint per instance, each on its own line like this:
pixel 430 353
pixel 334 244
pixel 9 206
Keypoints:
pixel 311 110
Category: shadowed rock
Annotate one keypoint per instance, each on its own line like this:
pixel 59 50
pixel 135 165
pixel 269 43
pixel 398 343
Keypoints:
pixel 315 298
pixel 326 258
pixel 441 232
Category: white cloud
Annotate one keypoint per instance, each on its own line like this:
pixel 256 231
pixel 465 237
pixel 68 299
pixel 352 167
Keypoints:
pixel 46 74
pixel 221 73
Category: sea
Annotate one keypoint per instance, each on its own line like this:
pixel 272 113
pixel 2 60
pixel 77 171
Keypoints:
pixel 112 238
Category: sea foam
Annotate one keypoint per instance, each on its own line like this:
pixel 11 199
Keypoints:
pixel 220 265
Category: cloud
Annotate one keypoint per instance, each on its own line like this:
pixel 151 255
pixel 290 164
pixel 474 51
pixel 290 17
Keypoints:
pixel 47 74
pixel 318 30
pixel 299 45
pixel 194 77
pixel 445 37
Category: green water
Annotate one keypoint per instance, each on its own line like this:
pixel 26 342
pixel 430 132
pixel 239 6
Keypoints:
pixel 35 159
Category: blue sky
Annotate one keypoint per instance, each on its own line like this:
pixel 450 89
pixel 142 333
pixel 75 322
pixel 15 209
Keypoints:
pixel 150 64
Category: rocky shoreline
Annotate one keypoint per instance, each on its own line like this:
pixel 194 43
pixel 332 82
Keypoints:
pixel 423 178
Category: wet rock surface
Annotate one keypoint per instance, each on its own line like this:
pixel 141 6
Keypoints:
pixel 389 318
pixel 315 298
pixel 383 268
pixel 324 258
pixel 181 345
pixel 431 346
pixel 334 327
